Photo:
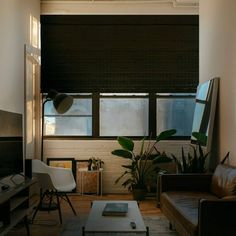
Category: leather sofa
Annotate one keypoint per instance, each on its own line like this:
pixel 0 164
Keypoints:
pixel 200 204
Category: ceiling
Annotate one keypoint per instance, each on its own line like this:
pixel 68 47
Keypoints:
pixel 175 2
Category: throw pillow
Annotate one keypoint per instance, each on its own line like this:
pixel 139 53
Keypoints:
pixel 224 181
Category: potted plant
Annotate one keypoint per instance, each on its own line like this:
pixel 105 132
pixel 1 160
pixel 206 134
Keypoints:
pixel 195 161
pixel 143 164
pixel 95 163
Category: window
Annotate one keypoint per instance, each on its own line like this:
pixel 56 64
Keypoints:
pixel 122 114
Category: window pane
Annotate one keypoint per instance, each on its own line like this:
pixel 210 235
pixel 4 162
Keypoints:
pixel 76 121
pixel 68 126
pixel 199 110
pixel 123 117
pixel 175 113
pixel 82 106
pixel 202 92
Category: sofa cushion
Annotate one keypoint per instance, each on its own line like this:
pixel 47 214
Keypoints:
pixel 224 181
pixel 183 205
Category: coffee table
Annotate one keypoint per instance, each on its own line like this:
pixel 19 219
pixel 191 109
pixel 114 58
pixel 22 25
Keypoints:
pixel 97 224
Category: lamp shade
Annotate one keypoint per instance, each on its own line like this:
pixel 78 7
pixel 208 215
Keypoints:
pixel 62 102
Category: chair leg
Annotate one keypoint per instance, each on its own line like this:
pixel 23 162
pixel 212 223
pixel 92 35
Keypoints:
pixel 27 225
pixel 35 212
pixel 39 205
pixel 59 207
pixel 68 200
pixel 50 202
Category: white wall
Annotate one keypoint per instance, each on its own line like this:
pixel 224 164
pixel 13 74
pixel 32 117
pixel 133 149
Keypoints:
pixel 218 58
pixel 14 33
pixel 85 149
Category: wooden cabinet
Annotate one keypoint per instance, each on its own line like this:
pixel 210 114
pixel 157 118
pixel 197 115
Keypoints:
pixel 16 203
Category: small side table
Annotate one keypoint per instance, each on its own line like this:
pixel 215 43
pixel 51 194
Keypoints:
pixel 99 179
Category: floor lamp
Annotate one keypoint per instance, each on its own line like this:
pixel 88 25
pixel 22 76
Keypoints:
pixel 61 102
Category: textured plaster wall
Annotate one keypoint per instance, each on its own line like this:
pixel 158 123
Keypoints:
pixel 218 58
pixel 15 32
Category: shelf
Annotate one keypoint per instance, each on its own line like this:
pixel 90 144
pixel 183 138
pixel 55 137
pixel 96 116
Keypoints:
pixel 17 201
pixel 15 204
pixel 16 217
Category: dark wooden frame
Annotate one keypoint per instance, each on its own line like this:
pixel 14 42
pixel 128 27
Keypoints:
pixel 152 97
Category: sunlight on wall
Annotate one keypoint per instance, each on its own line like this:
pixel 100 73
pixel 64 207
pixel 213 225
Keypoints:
pixel 30 105
pixel 34 32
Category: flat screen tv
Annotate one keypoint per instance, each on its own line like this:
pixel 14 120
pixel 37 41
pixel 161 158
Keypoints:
pixel 204 113
pixel 11 144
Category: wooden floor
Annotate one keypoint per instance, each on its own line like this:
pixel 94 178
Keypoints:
pixel 47 224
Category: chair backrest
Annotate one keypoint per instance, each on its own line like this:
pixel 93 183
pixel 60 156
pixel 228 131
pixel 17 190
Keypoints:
pixel 40 171
pixel 62 179
pixel 44 181
pixel 39 166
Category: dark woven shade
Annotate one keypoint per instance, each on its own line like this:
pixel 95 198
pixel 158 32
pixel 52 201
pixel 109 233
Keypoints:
pixel 120 53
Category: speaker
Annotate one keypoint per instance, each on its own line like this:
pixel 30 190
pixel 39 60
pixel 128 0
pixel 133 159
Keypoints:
pixel 28 168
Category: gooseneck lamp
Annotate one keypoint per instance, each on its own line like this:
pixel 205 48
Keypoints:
pixel 61 102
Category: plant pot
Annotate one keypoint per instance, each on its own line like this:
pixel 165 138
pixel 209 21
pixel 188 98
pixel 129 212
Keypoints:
pixel 94 167
pixel 139 194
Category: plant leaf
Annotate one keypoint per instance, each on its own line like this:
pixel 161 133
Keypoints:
pixel 128 166
pixel 162 158
pixel 127 182
pixel 122 153
pixel 195 161
pixel 142 147
pixel 119 178
pixel 185 167
pixel 126 143
pixel 165 134
pixel 180 169
pixel 200 137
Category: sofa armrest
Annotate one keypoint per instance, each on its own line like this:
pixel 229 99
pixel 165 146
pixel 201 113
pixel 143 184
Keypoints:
pixel 217 217
pixel 185 182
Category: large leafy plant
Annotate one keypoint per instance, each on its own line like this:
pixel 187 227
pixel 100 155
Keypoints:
pixel 195 160
pixel 143 164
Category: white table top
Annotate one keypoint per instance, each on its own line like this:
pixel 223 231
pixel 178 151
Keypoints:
pixel 97 223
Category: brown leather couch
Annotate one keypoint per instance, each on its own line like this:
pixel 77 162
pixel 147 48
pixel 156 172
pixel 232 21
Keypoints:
pixel 201 204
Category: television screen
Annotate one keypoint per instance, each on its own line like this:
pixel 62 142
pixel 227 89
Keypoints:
pixel 11 144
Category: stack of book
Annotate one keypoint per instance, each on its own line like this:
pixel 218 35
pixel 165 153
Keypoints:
pixel 115 209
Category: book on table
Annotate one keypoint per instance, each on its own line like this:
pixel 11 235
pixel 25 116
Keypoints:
pixel 115 209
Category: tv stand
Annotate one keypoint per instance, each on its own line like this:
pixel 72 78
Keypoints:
pixel 16 203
